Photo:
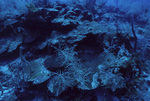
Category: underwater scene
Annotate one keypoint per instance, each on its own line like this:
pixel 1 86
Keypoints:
pixel 75 50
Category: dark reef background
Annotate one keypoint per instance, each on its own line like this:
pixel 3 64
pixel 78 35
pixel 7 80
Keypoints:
pixel 87 50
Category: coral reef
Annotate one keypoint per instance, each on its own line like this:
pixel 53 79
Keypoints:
pixel 74 52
